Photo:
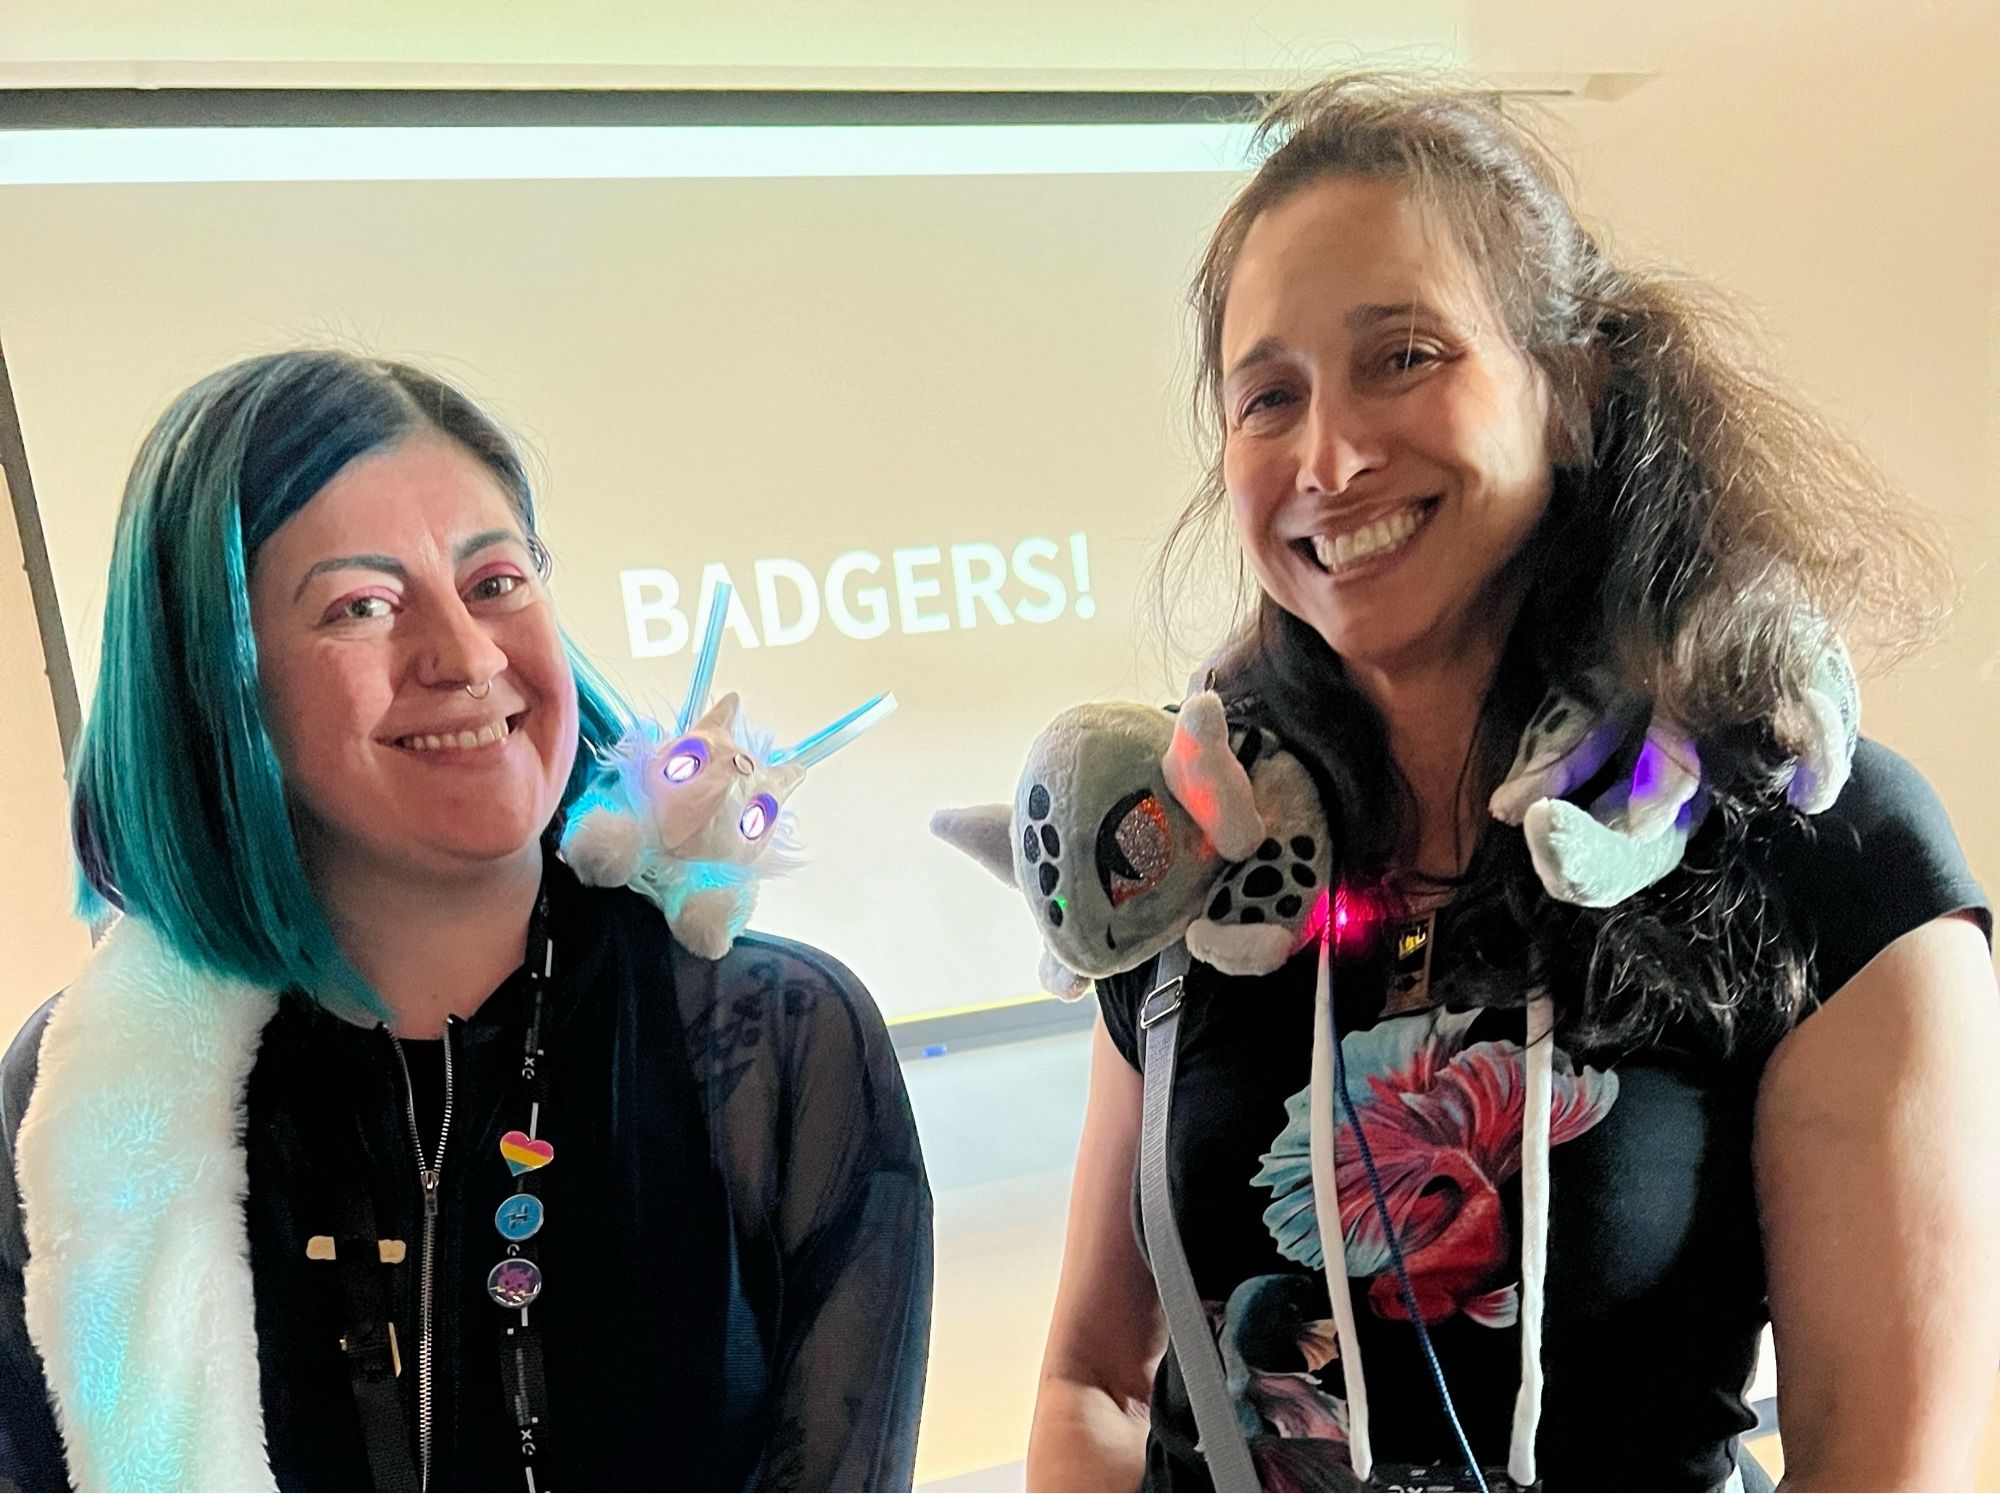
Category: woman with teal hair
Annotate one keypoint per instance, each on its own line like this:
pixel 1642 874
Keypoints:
pixel 372 1149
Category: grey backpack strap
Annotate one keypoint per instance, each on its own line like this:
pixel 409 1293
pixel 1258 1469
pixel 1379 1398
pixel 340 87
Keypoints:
pixel 1222 1441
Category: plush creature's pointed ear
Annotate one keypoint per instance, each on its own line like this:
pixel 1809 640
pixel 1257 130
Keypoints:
pixel 784 780
pixel 721 717
pixel 1211 785
pixel 984 832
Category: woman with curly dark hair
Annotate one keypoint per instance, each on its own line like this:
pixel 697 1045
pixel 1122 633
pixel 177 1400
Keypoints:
pixel 1469 460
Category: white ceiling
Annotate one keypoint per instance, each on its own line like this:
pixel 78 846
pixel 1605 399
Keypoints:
pixel 1570 46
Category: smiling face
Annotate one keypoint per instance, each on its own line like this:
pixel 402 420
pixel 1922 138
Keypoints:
pixel 1386 446
pixel 404 581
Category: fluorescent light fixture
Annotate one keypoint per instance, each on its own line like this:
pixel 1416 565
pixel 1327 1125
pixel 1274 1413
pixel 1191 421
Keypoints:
pixel 587 152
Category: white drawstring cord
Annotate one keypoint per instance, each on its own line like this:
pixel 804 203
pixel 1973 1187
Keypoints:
pixel 1538 1100
pixel 1324 1112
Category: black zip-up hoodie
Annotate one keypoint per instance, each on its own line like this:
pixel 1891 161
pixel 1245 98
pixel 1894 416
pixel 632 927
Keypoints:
pixel 738 1239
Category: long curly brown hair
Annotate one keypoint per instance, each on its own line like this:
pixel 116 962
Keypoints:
pixel 1698 512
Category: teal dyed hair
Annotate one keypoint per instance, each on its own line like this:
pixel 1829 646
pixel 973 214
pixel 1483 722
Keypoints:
pixel 178 807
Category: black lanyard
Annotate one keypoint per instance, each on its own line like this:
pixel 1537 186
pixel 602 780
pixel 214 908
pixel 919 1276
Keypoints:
pixel 515 1282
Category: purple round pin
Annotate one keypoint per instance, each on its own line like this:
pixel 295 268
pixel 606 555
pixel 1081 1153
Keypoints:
pixel 515 1282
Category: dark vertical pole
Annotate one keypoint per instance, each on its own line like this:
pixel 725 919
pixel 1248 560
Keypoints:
pixel 35 559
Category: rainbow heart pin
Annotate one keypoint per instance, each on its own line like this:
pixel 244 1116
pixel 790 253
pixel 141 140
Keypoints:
pixel 524 1155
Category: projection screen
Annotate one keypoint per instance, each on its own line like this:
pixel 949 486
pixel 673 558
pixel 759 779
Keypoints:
pixel 918 393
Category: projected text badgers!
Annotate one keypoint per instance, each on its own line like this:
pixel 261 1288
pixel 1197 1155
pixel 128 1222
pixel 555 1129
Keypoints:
pixel 862 595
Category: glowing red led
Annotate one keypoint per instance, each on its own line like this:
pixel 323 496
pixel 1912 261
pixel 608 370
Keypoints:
pixel 1347 918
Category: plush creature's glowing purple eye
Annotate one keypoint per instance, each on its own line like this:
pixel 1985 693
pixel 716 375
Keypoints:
pixel 758 817
pixel 685 762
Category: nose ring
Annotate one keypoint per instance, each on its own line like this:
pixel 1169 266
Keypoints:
pixel 482 692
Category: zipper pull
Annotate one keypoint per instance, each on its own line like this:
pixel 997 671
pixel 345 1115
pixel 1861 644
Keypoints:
pixel 430 1181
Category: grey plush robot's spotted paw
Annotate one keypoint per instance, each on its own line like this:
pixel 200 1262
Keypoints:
pixel 1240 948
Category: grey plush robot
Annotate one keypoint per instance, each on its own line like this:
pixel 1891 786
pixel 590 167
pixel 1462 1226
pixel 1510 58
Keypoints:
pixel 1133 827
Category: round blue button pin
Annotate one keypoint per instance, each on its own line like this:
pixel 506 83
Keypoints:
pixel 519 1217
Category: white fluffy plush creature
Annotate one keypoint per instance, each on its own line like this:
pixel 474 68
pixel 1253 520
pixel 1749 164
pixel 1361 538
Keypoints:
pixel 1636 831
pixel 694 816
pixel 692 819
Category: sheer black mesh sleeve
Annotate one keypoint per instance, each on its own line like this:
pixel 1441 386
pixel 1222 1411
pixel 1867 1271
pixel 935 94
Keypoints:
pixel 814 1137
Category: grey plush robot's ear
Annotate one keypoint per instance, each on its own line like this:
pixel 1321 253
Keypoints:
pixel 985 832
pixel 1211 785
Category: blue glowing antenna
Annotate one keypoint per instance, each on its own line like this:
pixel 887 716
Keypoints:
pixel 704 658
pixel 828 740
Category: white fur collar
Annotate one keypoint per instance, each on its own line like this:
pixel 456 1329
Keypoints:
pixel 133 1177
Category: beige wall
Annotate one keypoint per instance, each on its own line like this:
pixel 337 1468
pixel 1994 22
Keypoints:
pixel 41 946
pixel 1843 178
